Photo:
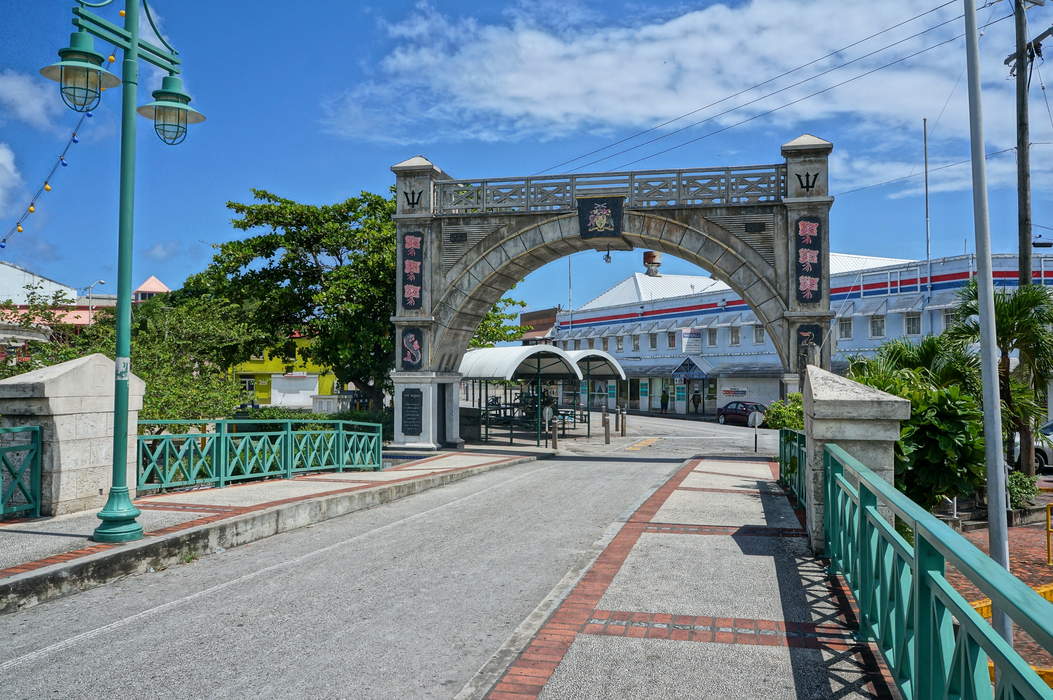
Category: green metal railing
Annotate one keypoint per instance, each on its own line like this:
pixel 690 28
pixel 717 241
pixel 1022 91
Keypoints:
pixel 221 452
pixel 935 644
pixel 792 458
pixel 20 471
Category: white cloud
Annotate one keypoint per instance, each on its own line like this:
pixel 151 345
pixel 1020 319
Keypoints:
pixel 10 178
pixel 163 250
pixel 33 100
pixel 450 78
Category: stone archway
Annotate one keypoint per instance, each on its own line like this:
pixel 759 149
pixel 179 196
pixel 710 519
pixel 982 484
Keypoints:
pixel 463 243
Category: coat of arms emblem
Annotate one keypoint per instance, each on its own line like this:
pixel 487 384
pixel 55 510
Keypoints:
pixel 600 219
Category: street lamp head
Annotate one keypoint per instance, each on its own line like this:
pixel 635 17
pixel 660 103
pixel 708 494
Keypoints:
pixel 79 74
pixel 171 111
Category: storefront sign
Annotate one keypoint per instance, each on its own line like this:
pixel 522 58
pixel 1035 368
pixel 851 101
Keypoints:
pixel 732 392
pixel 412 411
pixel 600 217
pixel 412 269
pixel 808 246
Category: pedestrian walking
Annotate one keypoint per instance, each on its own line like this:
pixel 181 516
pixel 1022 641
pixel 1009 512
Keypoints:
pixel 696 400
pixel 665 400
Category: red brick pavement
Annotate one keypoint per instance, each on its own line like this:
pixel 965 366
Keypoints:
pixel 578 613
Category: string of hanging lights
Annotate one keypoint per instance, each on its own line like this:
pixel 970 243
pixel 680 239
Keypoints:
pixel 46 185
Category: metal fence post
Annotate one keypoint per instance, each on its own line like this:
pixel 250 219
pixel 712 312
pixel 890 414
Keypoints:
pixel 287 450
pixel 378 446
pixel 220 451
pixel 35 469
pixel 340 452
pixel 927 652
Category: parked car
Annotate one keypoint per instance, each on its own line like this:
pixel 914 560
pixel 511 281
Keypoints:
pixel 1043 449
pixel 738 412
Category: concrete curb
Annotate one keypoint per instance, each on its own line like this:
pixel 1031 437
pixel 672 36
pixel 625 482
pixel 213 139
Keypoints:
pixel 34 587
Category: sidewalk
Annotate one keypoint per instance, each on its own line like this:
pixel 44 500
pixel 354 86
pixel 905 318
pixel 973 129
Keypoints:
pixel 48 557
pixel 709 590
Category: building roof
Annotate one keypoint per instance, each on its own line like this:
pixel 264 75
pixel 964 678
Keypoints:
pixel 152 284
pixel 517 361
pixel 640 288
pixel 597 363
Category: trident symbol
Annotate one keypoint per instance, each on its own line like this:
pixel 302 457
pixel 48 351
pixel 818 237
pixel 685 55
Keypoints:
pixel 808 183
pixel 413 197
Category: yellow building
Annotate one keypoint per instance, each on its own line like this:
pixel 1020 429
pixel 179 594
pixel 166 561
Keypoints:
pixel 272 381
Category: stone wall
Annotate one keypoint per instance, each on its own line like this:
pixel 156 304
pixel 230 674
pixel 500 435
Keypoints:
pixel 72 402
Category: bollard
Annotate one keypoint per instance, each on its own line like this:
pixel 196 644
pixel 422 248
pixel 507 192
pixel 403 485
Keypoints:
pixel 555 434
pixel 617 419
pixel 625 415
pixel 606 429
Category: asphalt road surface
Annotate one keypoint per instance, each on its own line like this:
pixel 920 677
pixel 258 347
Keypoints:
pixel 409 599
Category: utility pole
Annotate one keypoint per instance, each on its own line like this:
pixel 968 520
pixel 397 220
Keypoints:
pixel 928 227
pixel 997 524
pixel 1021 59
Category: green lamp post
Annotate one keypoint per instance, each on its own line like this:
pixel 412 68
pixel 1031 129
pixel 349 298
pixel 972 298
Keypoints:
pixel 82 79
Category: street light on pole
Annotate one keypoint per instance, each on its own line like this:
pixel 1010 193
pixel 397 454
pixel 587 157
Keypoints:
pixel 89 288
pixel 82 80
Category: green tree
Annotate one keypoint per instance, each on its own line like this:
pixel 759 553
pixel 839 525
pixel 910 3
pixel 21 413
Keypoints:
pixel 325 272
pixel 1023 325
pixel 180 351
pixel 497 327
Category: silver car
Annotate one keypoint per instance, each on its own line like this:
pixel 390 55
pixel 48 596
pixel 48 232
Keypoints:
pixel 1043 448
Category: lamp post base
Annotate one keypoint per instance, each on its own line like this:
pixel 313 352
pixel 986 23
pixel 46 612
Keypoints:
pixel 118 519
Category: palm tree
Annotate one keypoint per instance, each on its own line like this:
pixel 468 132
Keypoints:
pixel 944 361
pixel 1023 325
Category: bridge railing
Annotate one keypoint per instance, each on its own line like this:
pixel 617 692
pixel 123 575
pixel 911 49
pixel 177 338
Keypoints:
pixel 20 471
pixel 217 453
pixel 645 189
pixel 934 642
pixel 792 457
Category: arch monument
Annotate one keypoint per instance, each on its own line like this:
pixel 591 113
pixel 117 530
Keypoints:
pixel 762 229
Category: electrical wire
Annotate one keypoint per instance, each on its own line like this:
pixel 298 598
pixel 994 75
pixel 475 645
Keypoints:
pixel 753 87
pixel 802 99
pixel 767 95
pixel 931 170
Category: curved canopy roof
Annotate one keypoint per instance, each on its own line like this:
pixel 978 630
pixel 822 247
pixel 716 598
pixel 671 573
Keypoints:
pixel 518 362
pixel 597 364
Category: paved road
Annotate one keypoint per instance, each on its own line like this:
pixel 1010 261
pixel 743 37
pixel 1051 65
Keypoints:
pixel 409 599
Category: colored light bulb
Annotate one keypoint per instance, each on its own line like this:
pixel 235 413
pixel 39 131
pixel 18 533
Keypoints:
pixel 74 138
pixel 32 208
pixel 63 162
pixel 121 13
pixel 47 187
pixel 3 244
pixel 89 114
pixel 111 58
pixel 19 228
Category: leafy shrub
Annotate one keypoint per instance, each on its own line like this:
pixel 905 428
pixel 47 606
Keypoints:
pixel 385 418
pixel 940 452
pixel 787 413
pixel 1022 489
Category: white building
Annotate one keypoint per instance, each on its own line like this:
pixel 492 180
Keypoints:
pixel 15 279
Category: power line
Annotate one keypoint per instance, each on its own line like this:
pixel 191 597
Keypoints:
pixel 931 170
pixel 772 93
pixel 753 87
pixel 806 97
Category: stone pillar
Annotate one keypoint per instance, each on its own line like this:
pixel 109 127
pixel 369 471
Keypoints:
pixel 73 404
pixel 417 395
pixel 861 420
pixel 806 249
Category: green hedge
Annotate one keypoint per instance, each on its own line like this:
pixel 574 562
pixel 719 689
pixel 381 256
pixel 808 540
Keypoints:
pixel 386 418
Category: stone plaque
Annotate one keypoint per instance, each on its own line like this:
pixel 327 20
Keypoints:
pixel 809 269
pixel 412 269
pixel 412 411
pixel 412 348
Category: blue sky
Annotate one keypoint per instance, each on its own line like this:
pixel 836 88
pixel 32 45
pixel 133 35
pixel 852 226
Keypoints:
pixel 316 100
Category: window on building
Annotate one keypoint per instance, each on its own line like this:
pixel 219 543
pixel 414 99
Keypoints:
pixel 604 343
pixel 758 334
pixel 577 345
pixel 652 339
pixel 844 328
pixel 636 343
pixel 912 324
pixel 592 344
pixel 671 339
pixel 248 383
pixel 711 337
pixel 619 343
pixel 877 326
pixel 734 335
pixel 948 318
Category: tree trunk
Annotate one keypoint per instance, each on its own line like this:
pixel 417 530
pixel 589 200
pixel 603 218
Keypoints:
pixel 1027 450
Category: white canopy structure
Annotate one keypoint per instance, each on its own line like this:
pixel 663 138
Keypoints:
pixel 519 362
pixel 596 364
